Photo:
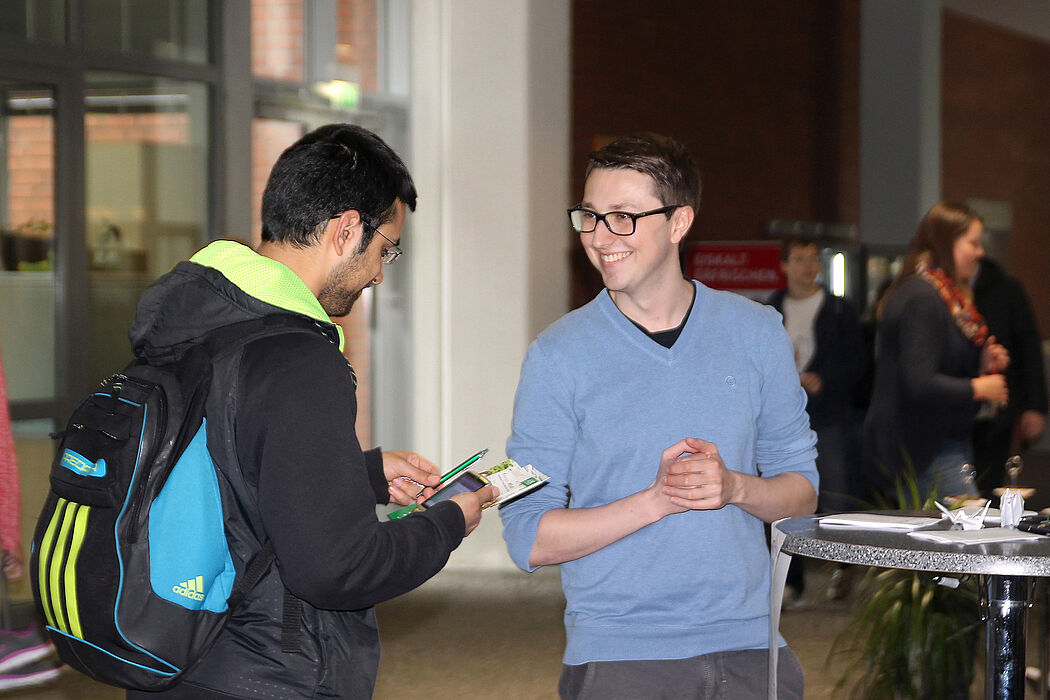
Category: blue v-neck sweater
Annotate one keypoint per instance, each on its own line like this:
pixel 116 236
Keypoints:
pixel 597 403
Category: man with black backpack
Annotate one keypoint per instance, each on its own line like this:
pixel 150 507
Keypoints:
pixel 280 427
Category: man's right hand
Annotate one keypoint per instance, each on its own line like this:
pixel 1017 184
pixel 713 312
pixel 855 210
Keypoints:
pixel 471 503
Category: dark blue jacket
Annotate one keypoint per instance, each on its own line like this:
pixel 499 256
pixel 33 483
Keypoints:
pixel 840 358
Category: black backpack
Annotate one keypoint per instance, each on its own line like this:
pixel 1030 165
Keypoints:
pixel 130 566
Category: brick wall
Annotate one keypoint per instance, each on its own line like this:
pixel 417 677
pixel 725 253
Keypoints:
pixel 996 138
pixel 269 139
pixel 357 46
pixel 766 95
pixel 277 39
pixel 161 127
pixel 763 94
pixel 30 156
pixel 31 171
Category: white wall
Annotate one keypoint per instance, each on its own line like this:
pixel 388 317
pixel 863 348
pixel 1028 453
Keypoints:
pixel 490 157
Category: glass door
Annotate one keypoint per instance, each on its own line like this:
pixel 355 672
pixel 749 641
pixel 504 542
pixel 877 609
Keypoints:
pixel 28 283
pixel 27 233
pixel 146 172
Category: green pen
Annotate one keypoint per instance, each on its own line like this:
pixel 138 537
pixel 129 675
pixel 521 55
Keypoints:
pixel 402 512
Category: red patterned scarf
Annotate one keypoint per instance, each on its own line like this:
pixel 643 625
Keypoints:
pixel 960 306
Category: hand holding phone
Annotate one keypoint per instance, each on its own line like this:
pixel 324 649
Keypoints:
pixel 472 503
pixel 446 478
pixel 471 492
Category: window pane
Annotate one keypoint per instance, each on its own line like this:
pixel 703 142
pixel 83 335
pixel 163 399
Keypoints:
pixel 27 215
pixel 175 29
pixel 34 20
pixel 301 41
pixel 277 39
pixel 147 196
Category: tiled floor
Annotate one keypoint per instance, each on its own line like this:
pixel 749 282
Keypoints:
pixel 470 634
pixel 484 635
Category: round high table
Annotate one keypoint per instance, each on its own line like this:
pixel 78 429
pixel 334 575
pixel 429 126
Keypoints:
pixel 1008 569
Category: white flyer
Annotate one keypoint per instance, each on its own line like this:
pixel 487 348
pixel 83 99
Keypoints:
pixel 512 479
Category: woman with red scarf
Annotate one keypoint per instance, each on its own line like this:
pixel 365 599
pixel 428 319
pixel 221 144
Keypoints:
pixel 935 364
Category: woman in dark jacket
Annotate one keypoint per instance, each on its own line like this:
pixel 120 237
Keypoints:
pixel 935 364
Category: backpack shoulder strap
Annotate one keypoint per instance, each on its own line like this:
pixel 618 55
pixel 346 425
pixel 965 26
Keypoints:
pixel 236 334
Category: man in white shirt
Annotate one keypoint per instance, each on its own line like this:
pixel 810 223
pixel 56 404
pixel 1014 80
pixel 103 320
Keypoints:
pixel 829 355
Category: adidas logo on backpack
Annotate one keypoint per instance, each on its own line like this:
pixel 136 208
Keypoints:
pixel 135 504
pixel 192 589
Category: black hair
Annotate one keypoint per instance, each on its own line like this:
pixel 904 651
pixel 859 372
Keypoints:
pixel 330 170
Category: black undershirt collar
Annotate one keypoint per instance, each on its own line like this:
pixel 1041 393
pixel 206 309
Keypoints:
pixel 667 338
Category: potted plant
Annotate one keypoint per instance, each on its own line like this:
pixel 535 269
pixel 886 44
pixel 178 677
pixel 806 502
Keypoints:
pixel 910 637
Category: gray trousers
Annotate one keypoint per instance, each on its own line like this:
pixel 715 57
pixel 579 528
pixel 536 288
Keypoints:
pixel 727 675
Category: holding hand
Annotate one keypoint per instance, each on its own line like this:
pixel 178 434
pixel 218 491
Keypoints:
pixel 994 357
pixel 409 476
pixel 811 382
pixel 1030 426
pixel 991 388
pixel 472 503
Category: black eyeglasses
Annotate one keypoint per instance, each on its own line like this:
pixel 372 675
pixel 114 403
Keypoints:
pixel 622 223
pixel 390 254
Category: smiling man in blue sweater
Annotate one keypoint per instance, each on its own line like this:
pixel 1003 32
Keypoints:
pixel 672 422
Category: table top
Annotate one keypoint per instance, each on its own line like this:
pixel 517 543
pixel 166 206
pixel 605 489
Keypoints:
pixel 896 550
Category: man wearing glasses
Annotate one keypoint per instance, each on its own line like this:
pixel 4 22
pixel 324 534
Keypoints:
pixel 281 427
pixel 672 423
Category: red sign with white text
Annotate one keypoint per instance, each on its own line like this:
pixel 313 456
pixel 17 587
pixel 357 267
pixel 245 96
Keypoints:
pixel 751 268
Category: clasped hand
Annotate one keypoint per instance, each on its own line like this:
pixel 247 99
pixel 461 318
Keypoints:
pixel 693 476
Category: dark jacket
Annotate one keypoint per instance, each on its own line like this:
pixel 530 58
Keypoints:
pixel 839 358
pixel 922 397
pixel 281 430
pixel 1004 305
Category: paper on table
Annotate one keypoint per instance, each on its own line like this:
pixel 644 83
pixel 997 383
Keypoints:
pixel 876 521
pixel 988 534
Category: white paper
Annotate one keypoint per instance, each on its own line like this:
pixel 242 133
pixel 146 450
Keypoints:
pixel 1011 505
pixel 876 521
pixel 988 534
pixel 512 479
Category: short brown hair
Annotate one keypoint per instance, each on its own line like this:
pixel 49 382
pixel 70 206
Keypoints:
pixel 665 160
pixel 791 242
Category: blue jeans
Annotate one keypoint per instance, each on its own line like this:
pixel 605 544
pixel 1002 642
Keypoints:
pixel 837 469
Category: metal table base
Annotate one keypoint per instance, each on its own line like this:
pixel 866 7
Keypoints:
pixel 1007 570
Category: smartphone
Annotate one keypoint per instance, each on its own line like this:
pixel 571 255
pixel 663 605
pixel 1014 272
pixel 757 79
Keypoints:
pixel 467 482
